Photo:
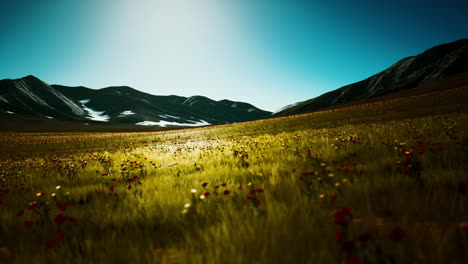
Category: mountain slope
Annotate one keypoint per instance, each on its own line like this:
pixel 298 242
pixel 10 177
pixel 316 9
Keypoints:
pixel 29 96
pixel 434 64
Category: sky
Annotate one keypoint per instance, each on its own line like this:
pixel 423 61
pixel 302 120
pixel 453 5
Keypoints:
pixel 269 53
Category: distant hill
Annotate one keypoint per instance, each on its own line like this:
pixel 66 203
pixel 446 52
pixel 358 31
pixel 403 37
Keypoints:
pixel 30 97
pixel 434 64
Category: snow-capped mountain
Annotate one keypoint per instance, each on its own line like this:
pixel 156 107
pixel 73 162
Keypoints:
pixel 30 96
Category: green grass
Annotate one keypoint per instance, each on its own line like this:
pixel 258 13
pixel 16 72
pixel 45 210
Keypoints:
pixel 393 164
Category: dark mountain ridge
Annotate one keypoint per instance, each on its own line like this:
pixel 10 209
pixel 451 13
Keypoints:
pixel 434 64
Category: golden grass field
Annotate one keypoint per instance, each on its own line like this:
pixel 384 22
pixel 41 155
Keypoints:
pixel 384 182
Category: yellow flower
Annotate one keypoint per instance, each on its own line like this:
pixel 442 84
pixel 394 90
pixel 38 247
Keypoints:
pixel 39 194
pixel 337 184
pixel 331 174
pixel 321 196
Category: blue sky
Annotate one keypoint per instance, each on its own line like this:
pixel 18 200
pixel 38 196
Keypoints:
pixel 269 53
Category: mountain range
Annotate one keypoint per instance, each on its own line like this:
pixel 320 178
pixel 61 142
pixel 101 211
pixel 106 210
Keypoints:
pixel 29 96
pixel 437 63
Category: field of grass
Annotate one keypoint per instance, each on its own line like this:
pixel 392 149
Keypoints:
pixel 384 182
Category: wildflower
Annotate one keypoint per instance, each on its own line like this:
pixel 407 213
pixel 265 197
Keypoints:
pixel 193 190
pixel 50 244
pixel 129 187
pixel 62 207
pixel 353 260
pixel 249 197
pixel 226 192
pixel 206 194
pixel 60 219
pixel 342 216
pixel 240 187
pixel 111 188
pixel 204 184
pixel 397 234
pixel 338 236
pixel 59 236
pixel 187 205
pixel 257 203
pixel 321 195
pixel 333 197
pixel 388 213
pixel 58 187
pixel 40 194
pixel 364 237
pixel 347 246
pixel 223 184
pixel 28 223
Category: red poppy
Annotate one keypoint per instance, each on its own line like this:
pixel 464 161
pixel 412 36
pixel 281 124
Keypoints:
pixel 114 179
pixel 62 207
pixel 217 186
pixel 50 244
pixel 60 219
pixel 223 184
pixel 129 187
pixel 249 197
pixel 258 203
pixel 333 197
pixel 204 184
pixel 206 194
pixel 347 246
pixel 226 192
pixel 364 237
pixel 342 216
pixel 59 236
pixel 338 236
pixel 388 212
pixel 28 223
pixel 397 234
pixel 260 190
pixel 240 187
pixel 111 188
pixel 353 260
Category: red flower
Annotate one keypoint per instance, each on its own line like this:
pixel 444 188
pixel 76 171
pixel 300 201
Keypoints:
pixel 114 179
pixel 353 260
pixel 226 192
pixel 223 184
pixel 338 236
pixel 388 213
pixel 397 234
pixel 111 188
pixel 364 237
pixel 62 207
pixel 249 197
pixel 60 219
pixel 342 216
pixel 260 190
pixel 333 197
pixel 204 184
pixel 50 244
pixel 347 246
pixel 257 203
pixel 129 187
pixel 28 223
pixel 59 236
pixel 240 187
pixel 217 186
pixel 206 194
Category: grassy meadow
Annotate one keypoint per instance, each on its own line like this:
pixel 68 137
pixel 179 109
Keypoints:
pixel 384 182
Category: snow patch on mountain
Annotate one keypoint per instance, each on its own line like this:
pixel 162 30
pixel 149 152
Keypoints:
pixel 164 123
pixel 10 112
pixel 93 114
pixel 286 107
pixel 126 113
pixel 169 116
